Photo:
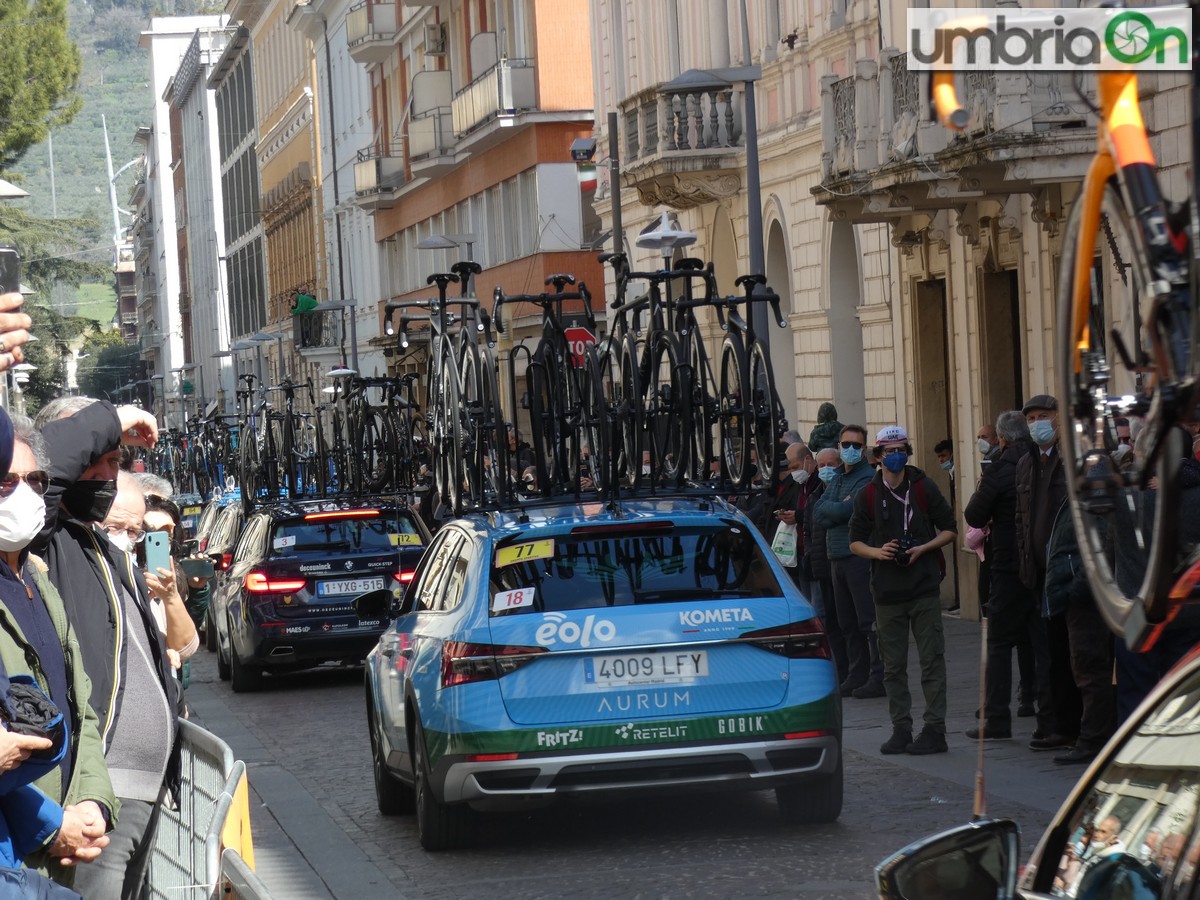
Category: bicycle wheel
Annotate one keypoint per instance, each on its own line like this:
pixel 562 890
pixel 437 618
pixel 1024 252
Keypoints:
pixel 668 411
pixel 496 480
pixel 288 451
pixel 473 416
pixel 1095 386
pixel 539 382
pixel 376 460
pixel 733 419
pixel 449 447
pixel 595 417
pixel 623 403
pixel 248 476
pixel 321 461
pixel 703 407
pixel 764 411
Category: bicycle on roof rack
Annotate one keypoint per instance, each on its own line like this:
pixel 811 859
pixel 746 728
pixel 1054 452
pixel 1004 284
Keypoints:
pixel 568 421
pixel 1128 345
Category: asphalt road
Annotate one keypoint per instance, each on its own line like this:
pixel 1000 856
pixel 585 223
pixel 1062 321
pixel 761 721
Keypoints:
pixel 318 833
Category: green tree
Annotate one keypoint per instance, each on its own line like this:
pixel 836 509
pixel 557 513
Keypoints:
pixel 50 249
pixel 39 72
pixel 110 365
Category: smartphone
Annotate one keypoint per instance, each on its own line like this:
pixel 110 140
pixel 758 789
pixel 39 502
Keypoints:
pixel 10 270
pixel 197 568
pixel 158 551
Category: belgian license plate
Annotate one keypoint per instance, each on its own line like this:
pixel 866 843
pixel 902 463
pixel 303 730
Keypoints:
pixel 348 586
pixel 645 668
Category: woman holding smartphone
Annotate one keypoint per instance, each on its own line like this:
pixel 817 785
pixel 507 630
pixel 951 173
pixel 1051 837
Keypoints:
pixel 160 525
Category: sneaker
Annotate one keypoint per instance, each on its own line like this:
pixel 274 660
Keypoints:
pixel 927 742
pixel 990 733
pixel 899 742
pixel 1076 756
pixel 869 691
pixel 1050 742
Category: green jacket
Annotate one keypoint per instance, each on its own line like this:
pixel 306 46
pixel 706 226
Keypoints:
pixel 89 775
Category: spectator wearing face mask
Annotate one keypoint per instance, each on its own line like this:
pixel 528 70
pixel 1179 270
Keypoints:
pixel 77 802
pixel 944 451
pixel 1123 455
pixel 816 559
pixel 988 443
pixel 134 692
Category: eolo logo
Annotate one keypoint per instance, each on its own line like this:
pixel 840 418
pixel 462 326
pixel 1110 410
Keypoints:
pixel 1062 39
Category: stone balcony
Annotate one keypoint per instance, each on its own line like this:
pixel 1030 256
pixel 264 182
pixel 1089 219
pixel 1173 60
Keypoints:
pixel 885 160
pixel 683 147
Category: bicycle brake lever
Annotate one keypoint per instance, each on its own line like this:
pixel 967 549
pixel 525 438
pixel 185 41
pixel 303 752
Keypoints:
pixel 497 302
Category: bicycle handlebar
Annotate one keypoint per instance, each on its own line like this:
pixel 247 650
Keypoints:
pixel 544 300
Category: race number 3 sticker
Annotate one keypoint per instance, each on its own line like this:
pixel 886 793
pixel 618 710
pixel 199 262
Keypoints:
pixel 514 599
pixel 519 553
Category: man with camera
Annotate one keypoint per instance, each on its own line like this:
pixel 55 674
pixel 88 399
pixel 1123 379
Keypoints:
pixel 900 523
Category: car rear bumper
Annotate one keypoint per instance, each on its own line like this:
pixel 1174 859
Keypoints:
pixel 750 765
pixel 312 647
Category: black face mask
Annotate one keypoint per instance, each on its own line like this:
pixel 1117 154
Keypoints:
pixel 90 501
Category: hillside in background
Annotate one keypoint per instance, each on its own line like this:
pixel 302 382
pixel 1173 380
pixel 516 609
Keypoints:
pixel 115 84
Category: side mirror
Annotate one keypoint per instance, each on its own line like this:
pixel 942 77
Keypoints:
pixel 977 861
pixel 405 604
pixel 373 604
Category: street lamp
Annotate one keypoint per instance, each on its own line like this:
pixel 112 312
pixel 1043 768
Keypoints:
pixel 263 337
pixel 178 373
pixel 450 242
pixel 257 348
pixel 748 74
pixel 347 305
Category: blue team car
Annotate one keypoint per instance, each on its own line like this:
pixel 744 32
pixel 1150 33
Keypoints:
pixel 575 648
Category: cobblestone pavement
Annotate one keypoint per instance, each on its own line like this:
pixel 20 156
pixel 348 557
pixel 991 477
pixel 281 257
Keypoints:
pixel 318 832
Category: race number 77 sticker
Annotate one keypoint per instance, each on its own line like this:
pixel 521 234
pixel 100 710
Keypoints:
pixel 519 553
pixel 514 599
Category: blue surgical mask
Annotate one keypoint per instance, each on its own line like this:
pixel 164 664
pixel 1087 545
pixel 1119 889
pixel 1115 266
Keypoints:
pixel 827 473
pixel 851 455
pixel 895 461
pixel 948 465
pixel 1042 431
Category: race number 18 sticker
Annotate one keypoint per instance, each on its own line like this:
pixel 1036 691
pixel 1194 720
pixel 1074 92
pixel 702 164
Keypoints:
pixel 514 599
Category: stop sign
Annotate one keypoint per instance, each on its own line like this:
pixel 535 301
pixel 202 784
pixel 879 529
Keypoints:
pixel 577 339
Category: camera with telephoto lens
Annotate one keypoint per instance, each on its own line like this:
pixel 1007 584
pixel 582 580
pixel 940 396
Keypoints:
pixel 906 543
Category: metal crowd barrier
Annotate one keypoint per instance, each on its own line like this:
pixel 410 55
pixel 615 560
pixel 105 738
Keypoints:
pixel 211 825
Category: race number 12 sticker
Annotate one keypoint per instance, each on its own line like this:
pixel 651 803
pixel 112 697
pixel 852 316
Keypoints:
pixel 519 553
pixel 514 599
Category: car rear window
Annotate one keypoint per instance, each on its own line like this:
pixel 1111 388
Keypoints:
pixel 343 534
pixel 673 564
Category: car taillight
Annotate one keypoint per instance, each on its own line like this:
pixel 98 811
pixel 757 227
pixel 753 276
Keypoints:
pixel 260 583
pixel 798 640
pixel 404 577
pixel 463 663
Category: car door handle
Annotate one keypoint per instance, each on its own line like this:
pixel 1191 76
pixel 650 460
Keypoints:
pixel 389 651
pixel 407 652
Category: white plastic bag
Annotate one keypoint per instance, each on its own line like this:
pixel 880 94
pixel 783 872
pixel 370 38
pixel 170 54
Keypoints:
pixel 784 545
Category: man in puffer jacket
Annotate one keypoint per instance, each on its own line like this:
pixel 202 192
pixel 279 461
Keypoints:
pixel 851 574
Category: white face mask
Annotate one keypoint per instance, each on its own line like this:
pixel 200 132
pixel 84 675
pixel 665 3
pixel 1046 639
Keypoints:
pixel 645 468
pixel 1122 451
pixel 22 516
pixel 984 446
pixel 800 476
pixel 121 540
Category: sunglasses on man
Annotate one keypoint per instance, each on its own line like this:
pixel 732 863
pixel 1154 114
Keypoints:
pixel 38 480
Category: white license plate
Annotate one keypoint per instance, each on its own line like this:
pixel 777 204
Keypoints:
pixel 645 668
pixel 348 586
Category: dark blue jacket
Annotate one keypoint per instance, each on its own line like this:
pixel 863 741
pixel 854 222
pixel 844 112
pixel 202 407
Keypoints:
pixel 836 505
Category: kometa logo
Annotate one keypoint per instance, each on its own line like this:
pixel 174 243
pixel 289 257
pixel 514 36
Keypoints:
pixel 1061 39
pixel 697 617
